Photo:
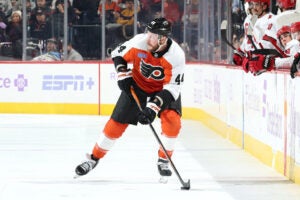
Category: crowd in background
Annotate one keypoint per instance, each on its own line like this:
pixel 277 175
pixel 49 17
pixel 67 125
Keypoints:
pixel 195 25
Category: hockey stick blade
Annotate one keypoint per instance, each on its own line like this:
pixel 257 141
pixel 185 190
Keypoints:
pixel 224 34
pixel 185 185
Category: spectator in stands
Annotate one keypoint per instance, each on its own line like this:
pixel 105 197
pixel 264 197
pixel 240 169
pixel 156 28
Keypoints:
pixel 173 14
pixel 29 7
pixel 3 17
pixel 193 13
pixel 126 19
pixel 192 18
pixel 123 28
pixel 172 11
pixel 146 4
pixel 53 51
pixel 155 8
pixel 238 16
pixel 73 54
pixel 41 28
pixel 86 11
pixel 3 37
pixel 16 5
pixel 14 32
pixel 113 29
pixel 144 16
pixel 31 4
pixel 40 4
pixel 6 8
pixel 110 8
pixel 58 18
pixel 49 3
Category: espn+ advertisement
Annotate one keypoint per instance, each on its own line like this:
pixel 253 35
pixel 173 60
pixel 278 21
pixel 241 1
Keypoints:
pixel 49 83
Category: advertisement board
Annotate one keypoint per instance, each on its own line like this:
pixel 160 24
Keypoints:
pixel 49 83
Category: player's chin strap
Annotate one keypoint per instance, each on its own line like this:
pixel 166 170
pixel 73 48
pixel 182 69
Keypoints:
pixel 158 52
pixel 160 43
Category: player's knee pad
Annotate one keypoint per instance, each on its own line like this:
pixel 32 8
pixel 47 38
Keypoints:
pixel 170 123
pixel 114 129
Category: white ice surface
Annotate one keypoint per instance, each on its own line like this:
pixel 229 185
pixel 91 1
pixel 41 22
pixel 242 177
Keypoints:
pixel 38 155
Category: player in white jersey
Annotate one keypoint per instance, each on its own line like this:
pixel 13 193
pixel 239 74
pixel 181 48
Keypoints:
pixel 262 63
pixel 261 10
pixel 290 45
pixel 255 28
pixel 156 76
pixel 295 29
pixel 240 54
pixel 284 18
pixel 250 20
pixel 295 67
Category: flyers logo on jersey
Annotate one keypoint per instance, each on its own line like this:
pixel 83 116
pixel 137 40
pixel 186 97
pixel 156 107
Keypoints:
pixel 150 71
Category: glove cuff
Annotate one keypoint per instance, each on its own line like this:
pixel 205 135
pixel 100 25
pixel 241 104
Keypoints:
pixel 239 52
pixel 269 62
pixel 120 64
pixel 153 107
pixel 124 75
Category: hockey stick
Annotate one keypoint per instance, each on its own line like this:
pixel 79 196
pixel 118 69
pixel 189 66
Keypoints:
pixel 185 185
pixel 250 33
pixel 224 34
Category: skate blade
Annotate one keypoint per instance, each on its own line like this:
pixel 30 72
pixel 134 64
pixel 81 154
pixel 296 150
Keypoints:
pixel 76 176
pixel 163 179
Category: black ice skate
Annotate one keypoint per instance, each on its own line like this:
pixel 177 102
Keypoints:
pixel 86 166
pixel 163 167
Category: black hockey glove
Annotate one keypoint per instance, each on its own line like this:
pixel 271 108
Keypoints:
pixel 160 101
pixel 148 115
pixel 125 80
pixel 294 67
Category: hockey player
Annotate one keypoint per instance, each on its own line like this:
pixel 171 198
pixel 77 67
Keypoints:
pixel 261 8
pixel 156 76
pixel 246 45
pixel 284 18
pixel 256 28
pixel 295 28
pixel 262 63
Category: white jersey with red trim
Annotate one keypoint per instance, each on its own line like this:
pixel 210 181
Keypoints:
pixel 285 18
pixel 260 28
pixel 291 49
pixel 246 43
pixel 255 27
pixel 150 72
